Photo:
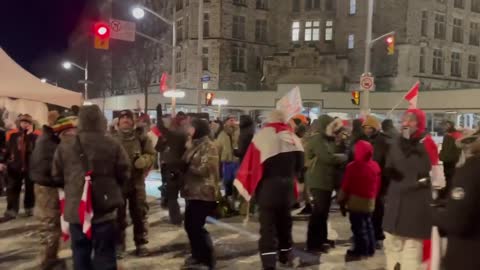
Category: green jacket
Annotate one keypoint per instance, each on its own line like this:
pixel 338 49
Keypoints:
pixel 226 142
pixel 320 151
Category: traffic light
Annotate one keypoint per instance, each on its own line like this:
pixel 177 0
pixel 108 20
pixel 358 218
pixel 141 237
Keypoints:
pixel 102 35
pixel 390 45
pixel 209 96
pixel 356 98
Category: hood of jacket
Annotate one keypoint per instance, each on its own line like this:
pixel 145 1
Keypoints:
pixel 421 121
pixel 91 119
pixel 389 129
pixel 322 124
pixel 363 151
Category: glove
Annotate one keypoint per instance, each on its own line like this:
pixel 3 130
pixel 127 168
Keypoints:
pixel 142 162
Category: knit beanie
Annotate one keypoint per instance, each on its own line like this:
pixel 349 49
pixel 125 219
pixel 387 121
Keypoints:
pixel 65 122
pixel 372 121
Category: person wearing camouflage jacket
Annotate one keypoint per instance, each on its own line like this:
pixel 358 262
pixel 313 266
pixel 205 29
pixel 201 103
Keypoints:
pixel 200 191
pixel 142 156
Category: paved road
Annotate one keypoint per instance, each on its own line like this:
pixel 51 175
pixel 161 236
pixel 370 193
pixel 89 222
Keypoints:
pixel 235 244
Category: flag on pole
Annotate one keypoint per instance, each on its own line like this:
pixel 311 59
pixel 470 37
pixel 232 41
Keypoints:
pixel 163 82
pixel 291 104
pixel 412 96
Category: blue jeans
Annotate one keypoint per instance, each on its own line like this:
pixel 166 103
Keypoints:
pixel 363 233
pixel 229 170
pixel 97 253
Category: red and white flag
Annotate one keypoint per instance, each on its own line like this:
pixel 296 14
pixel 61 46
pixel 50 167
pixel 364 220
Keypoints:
pixel 63 224
pixel 273 139
pixel 412 96
pixel 164 82
pixel 85 210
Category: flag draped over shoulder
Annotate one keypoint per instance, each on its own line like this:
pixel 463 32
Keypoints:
pixel 273 139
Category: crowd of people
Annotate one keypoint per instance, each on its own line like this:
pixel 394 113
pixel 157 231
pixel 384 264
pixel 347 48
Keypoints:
pixel 389 181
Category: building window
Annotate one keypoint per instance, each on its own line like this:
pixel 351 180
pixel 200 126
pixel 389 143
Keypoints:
pixel 295 31
pixel 262 4
pixel 472 67
pixel 238 27
pixel 179 30
pixel 205 58
pixel 424 26
pixel 351 41
pixel 459 4
pixel 437 62
pixel 353 7
pixel 239 2
pixel 475 34
pixel 296 5
pixel 476 6
pixel 179 4
pixel 178 60
pixel 238 59
pixel 312 4
pixel 440 26
pixel 312 30
pixel 329 4
pixel 261 31
pixel 329 30
pixel 456 66
pixel 421 67
pixel 206 25
pixel 457 30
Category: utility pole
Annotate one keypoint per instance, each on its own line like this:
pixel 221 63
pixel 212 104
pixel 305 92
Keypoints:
pixel 365 101
pixel 199 56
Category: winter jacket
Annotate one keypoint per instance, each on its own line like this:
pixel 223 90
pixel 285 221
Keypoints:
pixel 407 204
pixel 460 220
pixel 141 153
pixel 381 146
pixel 202 179
pixel 42 157
pixel 107 160
pixel 18 157
pixel 320 151
pixel 226 142
pixel 171 146
pixel 466 146
pixel 450 153
pixel 247 130
pixel 361 181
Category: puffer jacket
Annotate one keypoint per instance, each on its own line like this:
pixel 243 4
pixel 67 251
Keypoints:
pixel 320 154
pixel 106 157
pixel 202 175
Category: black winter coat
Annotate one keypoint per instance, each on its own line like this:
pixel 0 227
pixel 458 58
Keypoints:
pixel 461 218
pixel 13 154
pixel 247 131
pixel 381 146
pixel 171 145
pixel 42 157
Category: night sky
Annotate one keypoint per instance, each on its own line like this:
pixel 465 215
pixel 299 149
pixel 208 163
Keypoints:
pixel 35 33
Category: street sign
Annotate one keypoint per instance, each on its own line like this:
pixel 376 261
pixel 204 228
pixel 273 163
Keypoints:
pixel 205 85
pixel 367 83
pixel 122 30
pixel 205 78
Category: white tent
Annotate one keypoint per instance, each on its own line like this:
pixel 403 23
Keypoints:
pixel 15 82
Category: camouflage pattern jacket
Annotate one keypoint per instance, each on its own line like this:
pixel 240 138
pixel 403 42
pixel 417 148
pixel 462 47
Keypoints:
pixel 202 174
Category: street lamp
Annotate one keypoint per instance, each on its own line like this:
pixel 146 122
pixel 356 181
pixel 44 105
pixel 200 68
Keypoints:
pixel 174 94
pixel 220 102
pixel 43 80
pixel 138 13
pixel 68 65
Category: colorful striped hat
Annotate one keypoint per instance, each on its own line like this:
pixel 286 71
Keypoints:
pixel 64 123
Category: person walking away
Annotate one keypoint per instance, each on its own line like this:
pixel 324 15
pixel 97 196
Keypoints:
pixel 19 149
pixel 47 207
pixel 96 155
pixel 360 186
pixel 459 220
pixel 273 161
pixel 142 156
pixel 408 217
pixel 227 142
pixel 320 149
pixel 200 192
pixel 449 154
pixel 172 148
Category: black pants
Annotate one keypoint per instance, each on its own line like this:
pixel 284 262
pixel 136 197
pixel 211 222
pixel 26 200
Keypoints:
pixel 449 172
pixel 317 225
pixel 102 245
pixel 196 213
pixel 363 234
pixel 173 185
pixel 275 234
pixel 377 219
pixel 14 188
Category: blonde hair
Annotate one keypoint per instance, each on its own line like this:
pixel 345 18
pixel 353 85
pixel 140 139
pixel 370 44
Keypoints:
pixel 276 116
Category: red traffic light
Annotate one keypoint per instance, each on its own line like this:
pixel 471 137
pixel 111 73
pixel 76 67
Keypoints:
pixel 390 40
pixel 209 96
pixel 102 30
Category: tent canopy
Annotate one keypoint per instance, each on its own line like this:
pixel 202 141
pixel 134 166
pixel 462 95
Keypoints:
pixel 15 82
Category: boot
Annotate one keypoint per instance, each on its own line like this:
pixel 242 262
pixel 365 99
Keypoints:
pixel 307 210
pixel 28 212
pixel 286 258
pixel 9 215
pixel 142 251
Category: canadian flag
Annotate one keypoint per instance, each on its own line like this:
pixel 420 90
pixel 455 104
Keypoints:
pixel 63 224
pixel 412 96
pixel 164 82
pixel 85 210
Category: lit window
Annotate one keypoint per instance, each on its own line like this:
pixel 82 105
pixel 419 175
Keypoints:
pixel 353 7
pixel 351 41
pixel 329 30
pixel 296 31
pixel 312 30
